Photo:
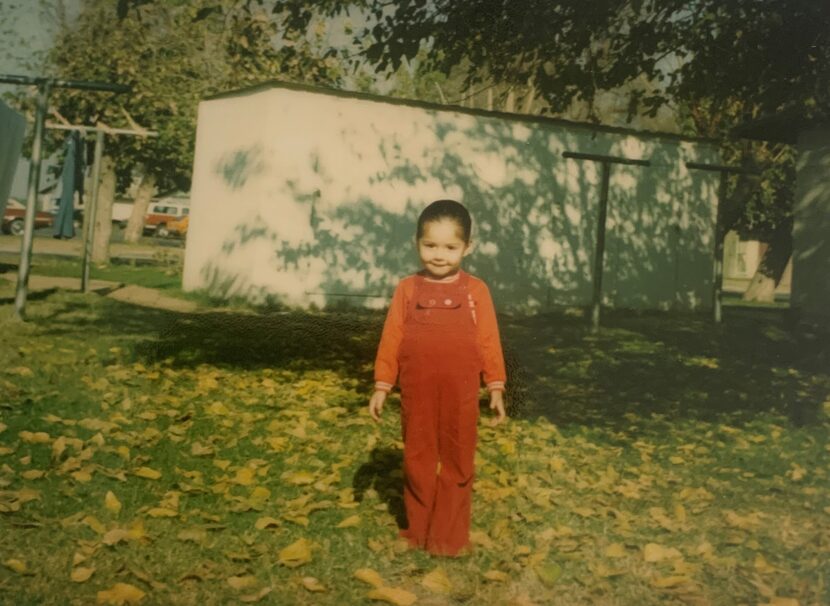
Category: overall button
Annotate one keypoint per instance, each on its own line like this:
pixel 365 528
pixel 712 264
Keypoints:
pixel 447 301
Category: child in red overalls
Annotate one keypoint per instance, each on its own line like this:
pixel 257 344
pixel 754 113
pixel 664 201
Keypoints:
pixel 440 335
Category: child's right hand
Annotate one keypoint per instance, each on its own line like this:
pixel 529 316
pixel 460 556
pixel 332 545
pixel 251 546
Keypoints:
pixel 376 404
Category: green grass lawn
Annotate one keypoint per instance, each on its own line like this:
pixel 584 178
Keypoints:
pixel 150 275
pixel 226 457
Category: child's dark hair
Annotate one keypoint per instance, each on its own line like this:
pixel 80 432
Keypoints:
pixel 446 209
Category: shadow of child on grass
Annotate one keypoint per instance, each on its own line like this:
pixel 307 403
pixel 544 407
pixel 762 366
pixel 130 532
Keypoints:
pixel 383 473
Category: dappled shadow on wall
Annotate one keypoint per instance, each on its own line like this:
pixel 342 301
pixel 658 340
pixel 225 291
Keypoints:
pixel 535 224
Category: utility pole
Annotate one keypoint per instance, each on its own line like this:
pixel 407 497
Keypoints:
pixel 44 88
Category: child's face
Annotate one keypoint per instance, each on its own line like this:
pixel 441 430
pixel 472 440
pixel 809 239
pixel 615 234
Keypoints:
pixel 441 247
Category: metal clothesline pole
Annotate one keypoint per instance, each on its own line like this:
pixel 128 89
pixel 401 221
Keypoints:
pixel 100 130
pixel 599 250
pixel 717 265
pixel 44 88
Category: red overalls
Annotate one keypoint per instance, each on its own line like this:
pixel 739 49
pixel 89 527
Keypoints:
pixel 440 367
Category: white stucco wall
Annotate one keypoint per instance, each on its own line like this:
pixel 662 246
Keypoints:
pixel 312 197
pixel 811 228
pixel 12 129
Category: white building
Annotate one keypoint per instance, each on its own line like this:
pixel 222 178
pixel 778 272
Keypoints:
pixel 310 196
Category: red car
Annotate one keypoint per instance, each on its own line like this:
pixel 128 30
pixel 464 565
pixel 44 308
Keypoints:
pixel 15 214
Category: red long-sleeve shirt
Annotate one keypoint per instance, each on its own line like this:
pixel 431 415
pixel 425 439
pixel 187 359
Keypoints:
pixel 487 334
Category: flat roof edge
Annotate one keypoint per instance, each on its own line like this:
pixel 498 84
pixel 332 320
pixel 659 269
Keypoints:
pixel 324 90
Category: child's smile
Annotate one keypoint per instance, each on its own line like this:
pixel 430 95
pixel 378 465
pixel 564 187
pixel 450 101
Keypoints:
pixel 441 248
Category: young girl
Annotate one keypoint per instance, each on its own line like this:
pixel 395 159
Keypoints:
pixel 440 335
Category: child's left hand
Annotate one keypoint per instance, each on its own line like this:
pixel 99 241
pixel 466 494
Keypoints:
pixel 497 404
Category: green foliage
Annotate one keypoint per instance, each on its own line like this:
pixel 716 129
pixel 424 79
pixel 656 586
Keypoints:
pixel 172 54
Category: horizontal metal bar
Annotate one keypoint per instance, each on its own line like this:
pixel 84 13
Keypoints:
pixel 344 294
pixel 55 82
pixel 722 168
pixel 104 129
pixel 603 158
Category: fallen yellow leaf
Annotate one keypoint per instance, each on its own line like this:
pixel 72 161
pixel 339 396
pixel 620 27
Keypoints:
pixel 497 575
pixel 437 581
pixel 58 446
pixel 111 502
pixel 655 553
pixel 673 581
pixel 32 474
pixel 242 582
pixel 298 478
pixel 115 536
pixel 367 575
pixel 296 554
pixel 82 475
pixel 93 523
pixel 162 512
pixel 18 566
pixel 349 522
pixel 313 585
pixel 38 437
pixel 147 473
pixel 548 573
pixel 81 574
pixel 256 597
pixel 244 476
pixel 615 550
pixel 120 594
pixel 393 595
pixel 266 522
pixel 198 450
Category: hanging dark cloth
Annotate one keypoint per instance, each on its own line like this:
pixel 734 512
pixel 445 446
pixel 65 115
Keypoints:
pixel 72 180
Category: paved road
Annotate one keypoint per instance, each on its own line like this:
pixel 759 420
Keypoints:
pixel 46 245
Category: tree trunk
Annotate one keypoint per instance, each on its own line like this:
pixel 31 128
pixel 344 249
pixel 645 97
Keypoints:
pixel 103 213
pixel 531 95
pixel 510 102
pixel 773 263
pixel 145 193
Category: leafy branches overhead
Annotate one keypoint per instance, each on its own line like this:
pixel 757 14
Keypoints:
pixel 767 54
pixel 172 54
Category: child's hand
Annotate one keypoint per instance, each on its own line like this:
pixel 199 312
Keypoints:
pixel 497 404
pixel 376 404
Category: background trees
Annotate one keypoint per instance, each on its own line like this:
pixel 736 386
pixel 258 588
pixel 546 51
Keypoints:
pixel 699 67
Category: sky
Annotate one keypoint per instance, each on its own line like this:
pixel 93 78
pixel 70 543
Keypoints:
pixel 25 28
